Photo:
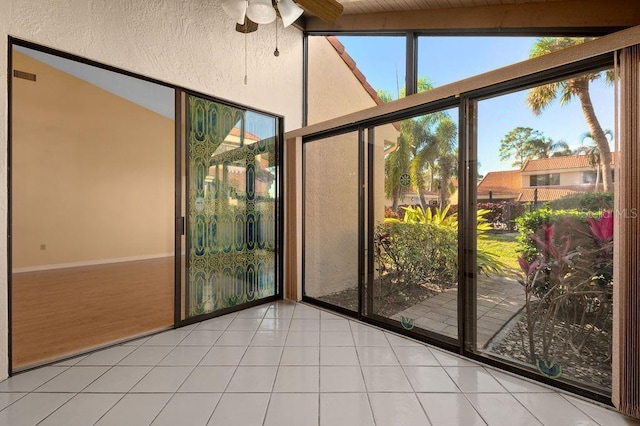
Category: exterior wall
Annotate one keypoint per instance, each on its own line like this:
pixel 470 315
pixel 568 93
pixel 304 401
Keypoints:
pixel 333 89
pixel 331 199
pixel 571 178
pixel 189 43
pixel 567 178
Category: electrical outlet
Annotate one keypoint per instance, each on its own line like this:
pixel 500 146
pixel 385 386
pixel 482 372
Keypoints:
pixel 43 246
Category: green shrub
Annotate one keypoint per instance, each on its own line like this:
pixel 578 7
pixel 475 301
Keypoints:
pixel 566 222
pixel 587 202
pixel 423 247
pixel 419 252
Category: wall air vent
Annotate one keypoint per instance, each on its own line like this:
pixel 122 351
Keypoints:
pixel 24 74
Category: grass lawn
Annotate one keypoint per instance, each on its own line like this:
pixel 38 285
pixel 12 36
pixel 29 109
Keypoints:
pixel 504 246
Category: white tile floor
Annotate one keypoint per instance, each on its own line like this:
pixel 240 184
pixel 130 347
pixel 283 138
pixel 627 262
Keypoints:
pixel 284 364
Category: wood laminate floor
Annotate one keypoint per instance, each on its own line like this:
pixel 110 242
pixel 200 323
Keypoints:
pixel 65 311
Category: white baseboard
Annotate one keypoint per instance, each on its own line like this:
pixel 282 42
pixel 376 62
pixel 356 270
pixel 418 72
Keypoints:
pixel 90 263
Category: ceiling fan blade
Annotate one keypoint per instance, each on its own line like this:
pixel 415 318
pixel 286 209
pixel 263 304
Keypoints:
pixel 327 10
pixel 248 27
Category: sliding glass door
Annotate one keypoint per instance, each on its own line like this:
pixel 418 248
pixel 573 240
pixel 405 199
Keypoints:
pixel 381 227
pixel 413 193
pixel 549 306
pixel 482 222
pixel 331 260
pixel 231 206
pixel 92 194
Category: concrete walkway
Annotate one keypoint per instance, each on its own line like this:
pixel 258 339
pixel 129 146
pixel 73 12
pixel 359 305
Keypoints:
pixel 499 299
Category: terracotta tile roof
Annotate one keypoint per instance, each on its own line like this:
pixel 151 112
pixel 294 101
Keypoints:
pixel 557 163
pixel 348 60
pixel 502 182
pixel 339 47
pixel 236 132
pixel 546 193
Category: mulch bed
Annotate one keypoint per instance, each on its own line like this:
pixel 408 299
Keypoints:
pixel 592 366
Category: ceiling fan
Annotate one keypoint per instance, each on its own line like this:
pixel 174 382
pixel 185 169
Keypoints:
pixel 248 14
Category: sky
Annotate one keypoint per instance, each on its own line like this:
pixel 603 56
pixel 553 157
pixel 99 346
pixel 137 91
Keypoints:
pixel 447 59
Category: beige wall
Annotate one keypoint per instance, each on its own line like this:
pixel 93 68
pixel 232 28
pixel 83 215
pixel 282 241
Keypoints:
pixel 331 215
pixel 571 178
pixel 93 173
pixel 574 177
pixel 333 88
pixel 331 174
pixel 189 43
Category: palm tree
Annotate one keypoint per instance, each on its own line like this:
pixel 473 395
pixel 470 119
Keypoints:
pixel 593 152
pixel 397 163
pixel 546 148
pixel 426 147
pixel 447 142
pixel 542 96
pixel 432 135
pixel 412 140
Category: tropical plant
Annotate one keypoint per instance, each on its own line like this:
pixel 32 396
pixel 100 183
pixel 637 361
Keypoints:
pixel 397 163
pixel 409 255
pixel 541 97
pixel 426 150
pixel 488 263
pixel 586 202
pixel 593 152
pixel 384 95
pixel 531 223
pixel 568 291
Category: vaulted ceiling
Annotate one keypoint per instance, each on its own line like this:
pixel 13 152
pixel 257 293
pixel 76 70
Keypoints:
pixel 426 15
pixel 373 6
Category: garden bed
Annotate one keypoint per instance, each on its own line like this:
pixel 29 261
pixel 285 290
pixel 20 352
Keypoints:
pixel 592 366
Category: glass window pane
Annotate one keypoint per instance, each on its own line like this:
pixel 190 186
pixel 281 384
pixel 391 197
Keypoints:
pixel 352 73
pixel 545 229
pixel 444 60
pixel 331 220
pixel 92 191
pixel 231 201
pixel 415 277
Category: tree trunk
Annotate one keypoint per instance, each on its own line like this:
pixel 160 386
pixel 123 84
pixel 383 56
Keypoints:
pixel 445 175
pixel 582 91
pixel 423 201
pixel 395 197
pixel 431 166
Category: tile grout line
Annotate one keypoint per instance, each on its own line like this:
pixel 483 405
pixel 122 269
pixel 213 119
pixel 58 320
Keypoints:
pixel 128 392
pixel 173 394
pixel 563 396
pixel 366 388
pixel 215 407
pixel 264 419
pixel 415 394
pixel 89 384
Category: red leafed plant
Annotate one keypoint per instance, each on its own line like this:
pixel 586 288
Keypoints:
pixel 568 287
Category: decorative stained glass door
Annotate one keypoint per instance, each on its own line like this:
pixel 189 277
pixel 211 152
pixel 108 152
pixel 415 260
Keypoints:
pixel 232 195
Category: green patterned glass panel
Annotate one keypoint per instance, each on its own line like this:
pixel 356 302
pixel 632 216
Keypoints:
pixel 231 206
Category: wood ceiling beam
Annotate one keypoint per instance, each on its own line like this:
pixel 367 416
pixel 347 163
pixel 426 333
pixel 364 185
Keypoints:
pixel 573 14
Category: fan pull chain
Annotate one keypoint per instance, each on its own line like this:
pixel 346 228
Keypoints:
pixel 245 59
pixel 276 52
